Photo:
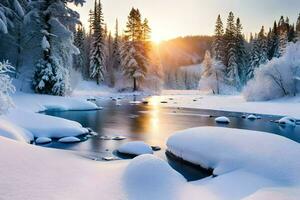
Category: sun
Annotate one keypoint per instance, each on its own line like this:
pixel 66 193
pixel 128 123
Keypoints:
pixel 156 39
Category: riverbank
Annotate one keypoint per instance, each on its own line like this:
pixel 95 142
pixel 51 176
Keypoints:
pixel 289 106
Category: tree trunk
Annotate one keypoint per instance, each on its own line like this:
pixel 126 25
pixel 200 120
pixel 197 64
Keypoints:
pixel 134 84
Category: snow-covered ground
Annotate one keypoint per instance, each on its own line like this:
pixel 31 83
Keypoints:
pixel 23 122
pixel 289 106
pixel 246 163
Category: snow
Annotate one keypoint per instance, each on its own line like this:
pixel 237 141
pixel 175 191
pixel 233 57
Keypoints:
pixel 13 131
pixel 240 159
pixel 40 103
pixel 91 89
pixel 287 121
pixel 32 172
pixel 135 148
pixel 224 120
pixel 226 150
pixel 69 139
pixel 41 125
pixel 287 106
pixel 25 115
pixel 148 177
pixel 43 140
pixel 251 117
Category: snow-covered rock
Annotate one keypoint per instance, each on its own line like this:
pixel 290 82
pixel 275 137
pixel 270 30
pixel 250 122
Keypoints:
pixel 251 117
pixel 43 140
pixel 148 177
pixel 224 120
pixel 135 148
pixel 70 139
pixel 13 131
pixel 287 121
pixel 118 138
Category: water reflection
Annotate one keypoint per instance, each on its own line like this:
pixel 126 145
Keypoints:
pixel 153 124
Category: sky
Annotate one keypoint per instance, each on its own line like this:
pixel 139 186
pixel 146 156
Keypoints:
pixel 173 18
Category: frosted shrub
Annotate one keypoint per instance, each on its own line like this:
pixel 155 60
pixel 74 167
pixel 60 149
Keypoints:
pixel 277 78
pixel 212 76
pixel 6 86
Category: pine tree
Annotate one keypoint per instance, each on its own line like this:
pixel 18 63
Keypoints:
pixel 241 52
pixel 298 28
pixel 263 46
pixel 79 60
pixel 283 41
pixel 259 53
pixel 116 49
pixel 232 59
pixel 218 45
pixel 273 40
pixel 57 23
pixel 146 30
pixel 212 76
pixel 97 57
pixel 134 53
pixel 291 34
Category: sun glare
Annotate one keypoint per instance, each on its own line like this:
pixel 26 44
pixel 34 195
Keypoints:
pixel 156 39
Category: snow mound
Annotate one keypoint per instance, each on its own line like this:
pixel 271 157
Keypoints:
pixel 13 131
pixel 40 103
pixel 70 139
pixel 224 120
pixel 135 148
pixel 148 177
pixel 226 150
pixel 41 125
pixel 251 117
pixel 287 121
pixel 43 140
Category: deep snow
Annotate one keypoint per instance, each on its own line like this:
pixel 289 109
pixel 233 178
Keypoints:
pixel 23 122
pixel 246 163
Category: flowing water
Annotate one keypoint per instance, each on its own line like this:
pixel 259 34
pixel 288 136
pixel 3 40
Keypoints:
pixel 153 124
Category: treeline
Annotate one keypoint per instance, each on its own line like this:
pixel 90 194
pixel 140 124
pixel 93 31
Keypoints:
pixel 234 60
pixel 177 56
pixel 123 61
pixel 47 44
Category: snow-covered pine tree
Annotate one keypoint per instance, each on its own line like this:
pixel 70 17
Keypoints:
pixel 218 44
pixel 242 60
pixel 79 60
pixel 134 60
pixel 110 78
pixel 298 29
pixel 283 41
pixel 212 76
pixel 263 46
pixel 259 53
pixel 233 77
pixel 57 23
pixel 6 86
pixel 273 40
pixel 291 34
pixel 97 56
pixel 116 48
pixel 14 16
